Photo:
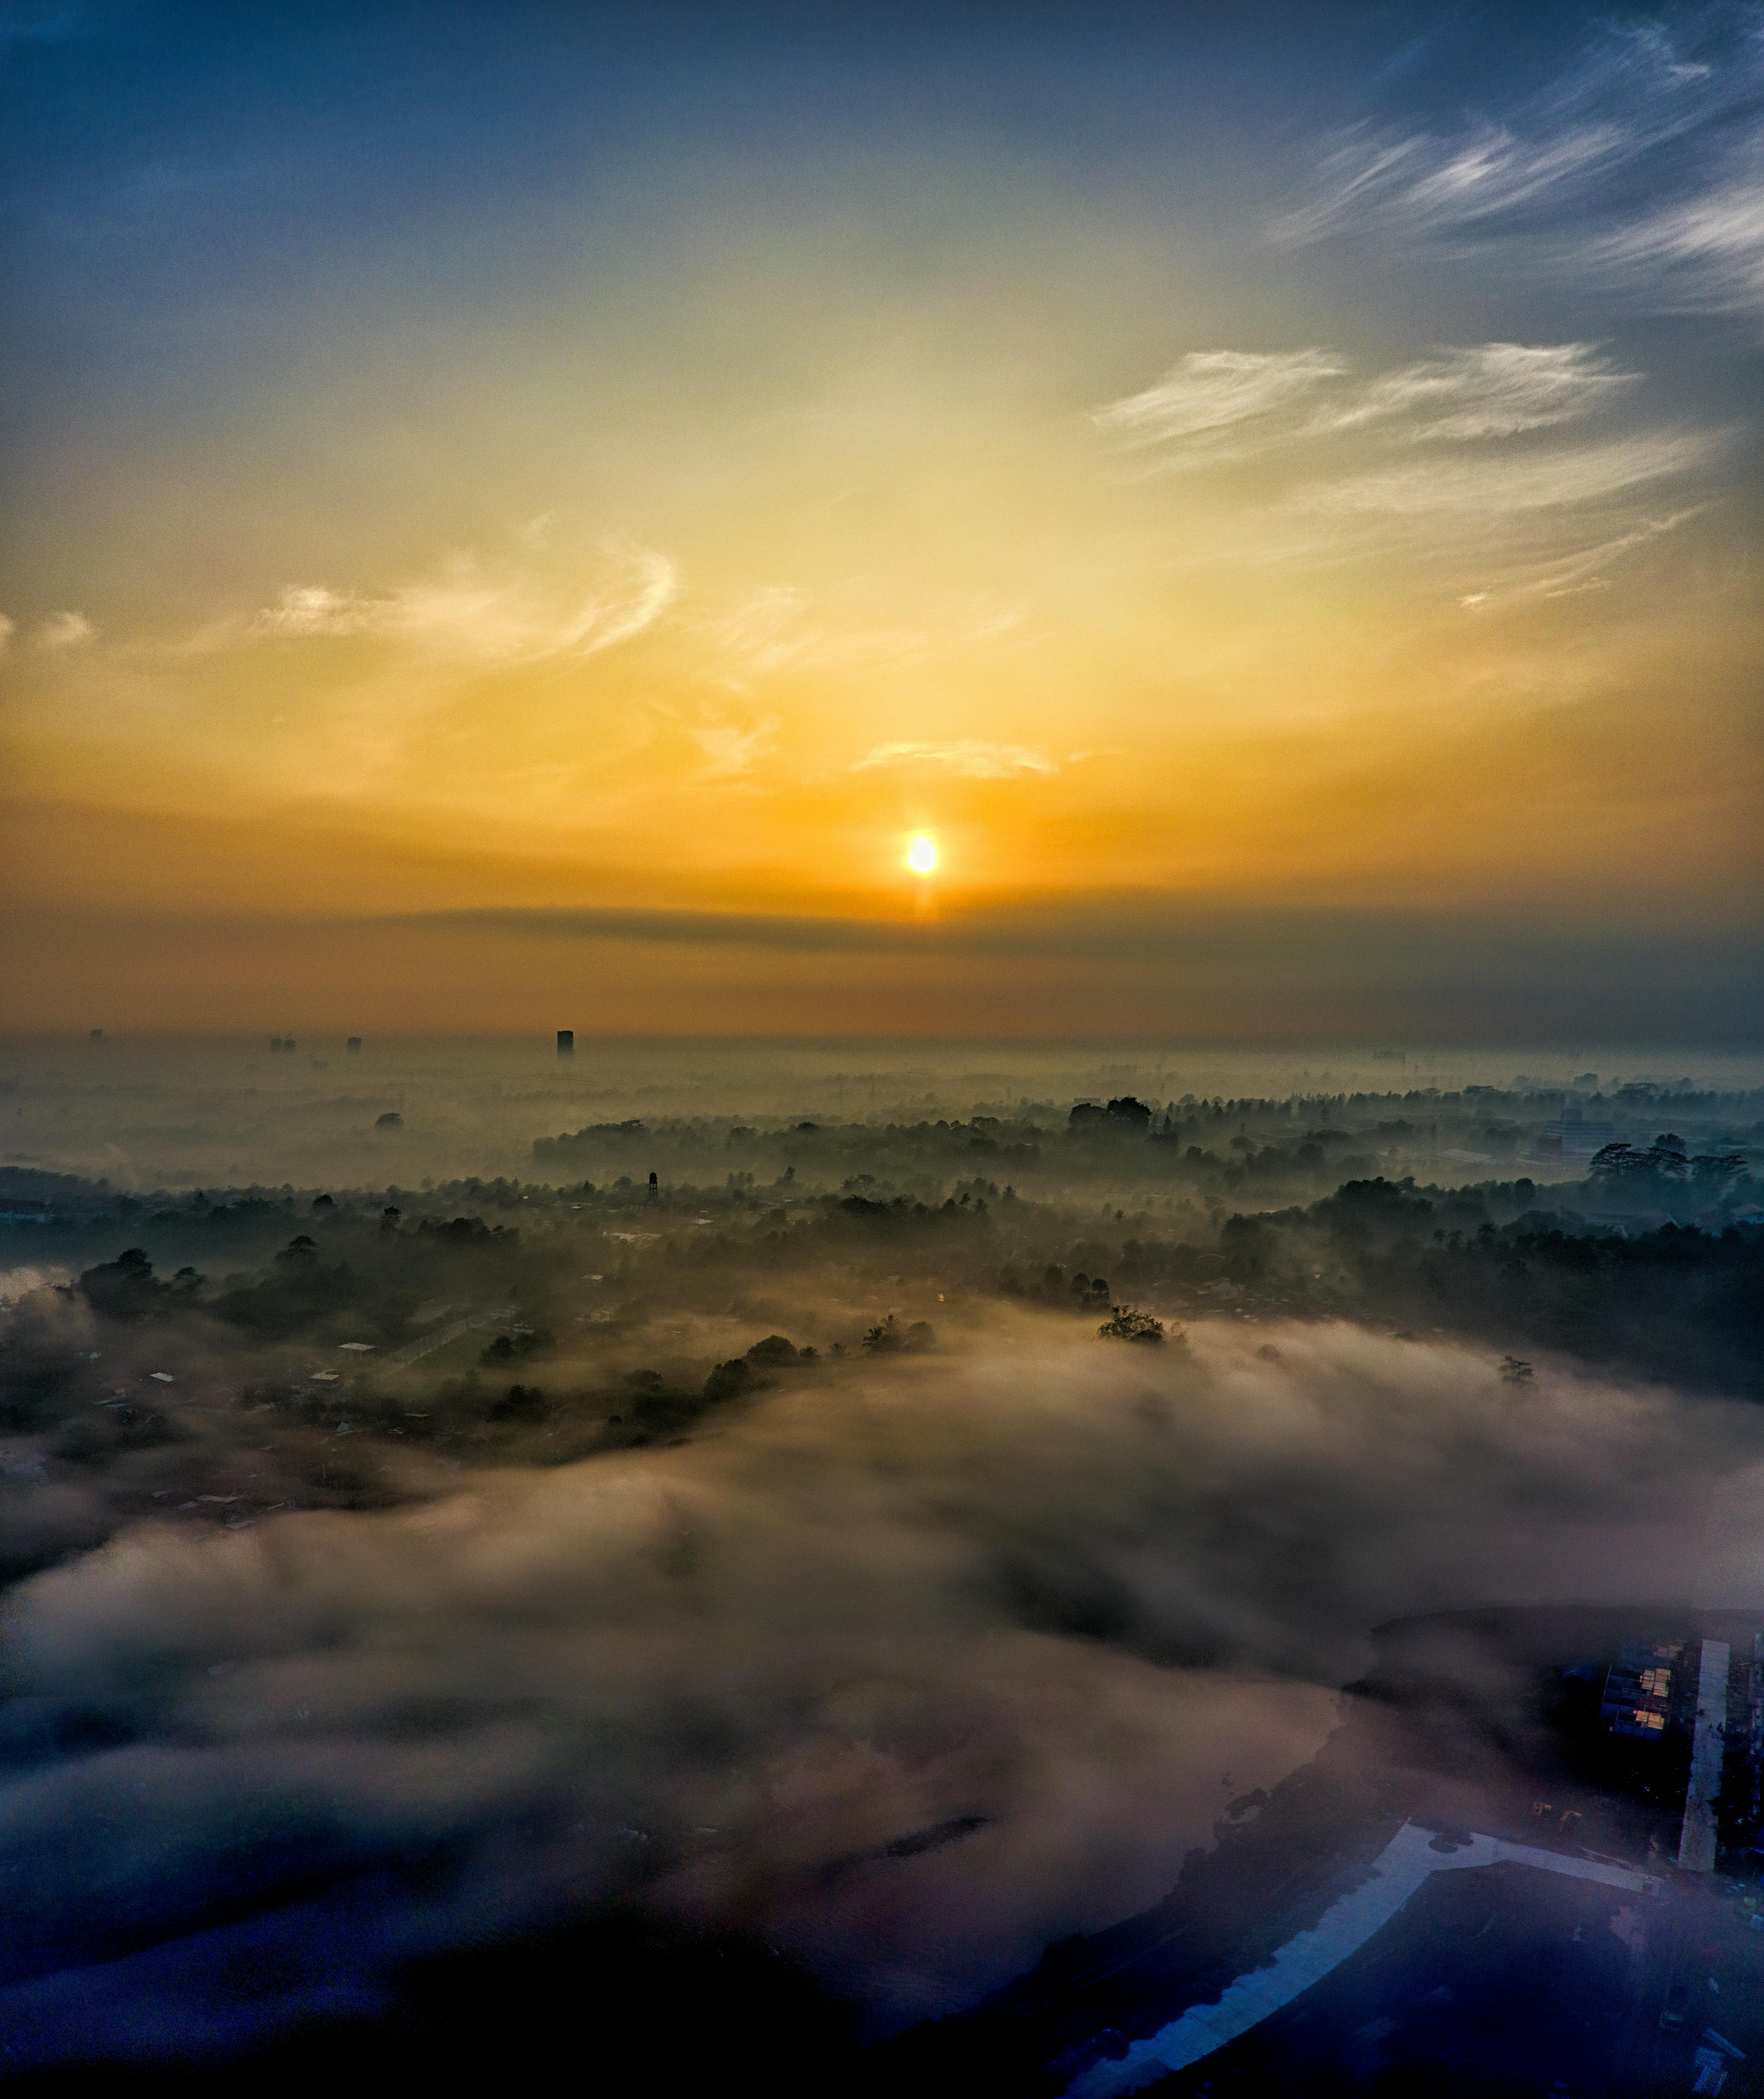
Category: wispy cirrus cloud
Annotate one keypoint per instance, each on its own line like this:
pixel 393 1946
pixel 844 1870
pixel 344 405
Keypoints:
pixel 1703 253
pixel 1491 389
pixel 1439 458
pixel 479 611
pixel 1501 528
pixel 1564 477
pixel 964 757
pixel 1579 570
pixel 1209 391
pixel 306 610
pixel 779 628
pixel 65 630
pixel 1640 168
pixel 1217 403
pixel 731 752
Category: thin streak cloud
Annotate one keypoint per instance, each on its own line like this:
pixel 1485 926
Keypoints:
pixel 1214 390
pixel 1640 169
pixel 1438 461
pixel 1494 390
pixel 1571 574
pixel 965 756
pixel 1215 404
pixel 1480 945
pixel 1559 479
pixel 731 752
pixel 65 630
pixel 779 628
pixel 1704 254
pixel 473 611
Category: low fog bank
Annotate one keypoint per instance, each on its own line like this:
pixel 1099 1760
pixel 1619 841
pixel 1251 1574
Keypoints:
pixel 306 1109
pixel 909 1665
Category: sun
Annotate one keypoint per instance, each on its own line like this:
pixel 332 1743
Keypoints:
pixel 921 855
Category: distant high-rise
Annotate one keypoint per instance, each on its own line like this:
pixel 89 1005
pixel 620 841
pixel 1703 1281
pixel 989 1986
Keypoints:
pixel 98 1034
pixel 353 1043
pixel 566 1042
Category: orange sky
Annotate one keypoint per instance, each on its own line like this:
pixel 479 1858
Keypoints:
pixel 1164 563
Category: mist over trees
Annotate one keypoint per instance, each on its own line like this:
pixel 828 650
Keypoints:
pixel 695 1262
pixel 621 1364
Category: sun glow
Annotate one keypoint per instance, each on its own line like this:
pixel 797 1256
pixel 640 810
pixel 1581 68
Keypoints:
pixel 921 855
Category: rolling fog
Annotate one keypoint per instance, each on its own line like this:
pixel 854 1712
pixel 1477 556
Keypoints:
pixel 911 1671
pixel 908 1660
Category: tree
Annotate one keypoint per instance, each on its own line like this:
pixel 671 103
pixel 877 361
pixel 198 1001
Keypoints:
pixel 886 1338
pixel 124 1288
pixel 1716 1165
pixel 1663 1159
pixel 521 1403
pixel 728 1379
pixel 1665 1154
pixel 1122 1114
pixel 1621 1162
pixel 1124 1324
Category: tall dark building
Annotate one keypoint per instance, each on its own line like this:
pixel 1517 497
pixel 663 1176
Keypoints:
pixel 566 1042
pixel 354 1042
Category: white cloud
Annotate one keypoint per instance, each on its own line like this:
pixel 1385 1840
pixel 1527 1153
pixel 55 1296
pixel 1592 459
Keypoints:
pixel 1262 400
pixel 65 630
pixel 1579 570
pixel 766 630
pixel 489 614
pixel 1493 390
pixel 778 628
pixel 731 752
pixel 963 756
pixel 1438 465
pixel 1210 390
pixel 1640 168
pixel 1704 253
pixel 1426 185
pixel 1566 478
pixel 1629 94
pixel 309 609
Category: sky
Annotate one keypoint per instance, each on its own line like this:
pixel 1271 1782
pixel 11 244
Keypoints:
pixel 522 516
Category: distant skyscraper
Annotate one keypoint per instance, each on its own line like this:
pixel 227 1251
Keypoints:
pixel 354 1042
pixel 566 1042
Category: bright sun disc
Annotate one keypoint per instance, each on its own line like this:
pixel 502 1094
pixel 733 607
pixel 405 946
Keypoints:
pixel 921 856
